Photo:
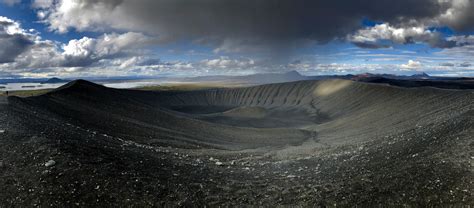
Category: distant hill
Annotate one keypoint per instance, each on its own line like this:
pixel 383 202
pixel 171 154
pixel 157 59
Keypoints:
pixel 438 83
pixel 421 76
pixel 54 80
pixel 365 76
pixel 274 77
pixel 264 78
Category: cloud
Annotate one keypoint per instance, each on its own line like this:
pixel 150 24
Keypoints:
pixel 374 37
pixel 462 65
pixel 233 31
pixel 138 61
pixel 10 2
pixel 447 64
pixel 24 52
pixel 370 45
pixel 86 51
pixel 13 40
pixel 227 63
pixel 279 22
pixel 465 64
pixel 273 28
pixel 465 49
pixel 462 39
pixel 412 65
pixel 42 54
pixel 459 15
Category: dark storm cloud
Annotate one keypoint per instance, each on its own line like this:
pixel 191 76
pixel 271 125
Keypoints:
pixel 460 16
pixel 13 41
pixel 13 45
pixel 282 20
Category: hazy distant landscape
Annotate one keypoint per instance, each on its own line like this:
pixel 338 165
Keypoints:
pixel 416 80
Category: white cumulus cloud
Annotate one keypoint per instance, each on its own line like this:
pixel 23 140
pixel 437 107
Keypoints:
pixel 412 65
pixel 373 37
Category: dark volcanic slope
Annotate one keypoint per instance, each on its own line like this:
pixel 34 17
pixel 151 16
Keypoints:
pixel 325 143
pixel 453 83
pixel 137 115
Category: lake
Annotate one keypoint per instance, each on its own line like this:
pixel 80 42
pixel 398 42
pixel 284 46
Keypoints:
pixel 39 86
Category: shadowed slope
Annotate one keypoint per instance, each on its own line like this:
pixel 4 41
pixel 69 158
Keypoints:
pixel 132 115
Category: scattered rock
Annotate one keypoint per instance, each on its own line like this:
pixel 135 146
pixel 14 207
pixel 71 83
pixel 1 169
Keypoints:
pixel 50 163
pixel 2 131
pixel 219 163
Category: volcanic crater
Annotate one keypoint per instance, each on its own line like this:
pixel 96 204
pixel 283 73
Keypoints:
pixel 323 143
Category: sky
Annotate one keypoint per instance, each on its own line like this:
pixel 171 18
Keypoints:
pixel 155 38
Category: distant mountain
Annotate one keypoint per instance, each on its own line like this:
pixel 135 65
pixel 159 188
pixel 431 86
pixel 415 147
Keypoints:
pixel 421 76
pixel 265 78
pixel 366 76
pixel 54 80
pixel 274 77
